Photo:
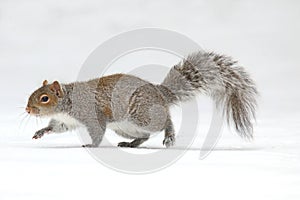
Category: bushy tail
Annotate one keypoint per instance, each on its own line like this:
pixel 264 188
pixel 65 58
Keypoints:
pixel 219 77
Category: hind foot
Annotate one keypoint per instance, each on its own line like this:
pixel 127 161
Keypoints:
pixel 169 140
pixel 134 143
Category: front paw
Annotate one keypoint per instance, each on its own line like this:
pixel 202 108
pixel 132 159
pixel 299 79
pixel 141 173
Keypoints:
pixel 41 133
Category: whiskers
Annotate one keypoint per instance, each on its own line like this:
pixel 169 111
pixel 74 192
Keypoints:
pixel 22 107
pixel 38 121
pixel 22 114
pixel 24 118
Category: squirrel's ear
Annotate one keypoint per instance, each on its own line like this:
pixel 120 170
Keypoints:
pixel 55 87
pixel 45 82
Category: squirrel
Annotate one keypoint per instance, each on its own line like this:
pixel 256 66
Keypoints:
pixel 135 108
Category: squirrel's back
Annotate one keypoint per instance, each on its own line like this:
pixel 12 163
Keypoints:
pixel 121 95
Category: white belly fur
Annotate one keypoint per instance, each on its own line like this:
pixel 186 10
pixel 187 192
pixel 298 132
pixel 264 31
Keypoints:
pixel 69 121
pixel 128 128
pixel 123 126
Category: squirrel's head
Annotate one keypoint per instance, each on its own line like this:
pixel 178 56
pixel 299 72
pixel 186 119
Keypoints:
pixel 44 100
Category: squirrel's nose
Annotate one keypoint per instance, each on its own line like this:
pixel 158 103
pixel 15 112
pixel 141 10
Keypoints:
pixel 28 110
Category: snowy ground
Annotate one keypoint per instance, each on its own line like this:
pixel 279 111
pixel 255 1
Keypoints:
pixel 51 39
pixel 55 167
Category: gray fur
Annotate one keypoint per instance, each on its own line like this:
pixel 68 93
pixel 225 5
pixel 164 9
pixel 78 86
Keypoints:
pixel 135 108
pixel 221 78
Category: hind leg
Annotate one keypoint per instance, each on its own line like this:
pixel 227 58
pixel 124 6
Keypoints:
pixel 135 143
pixel 169 134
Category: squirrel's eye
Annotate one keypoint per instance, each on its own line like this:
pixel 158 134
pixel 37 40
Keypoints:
pixel 44 99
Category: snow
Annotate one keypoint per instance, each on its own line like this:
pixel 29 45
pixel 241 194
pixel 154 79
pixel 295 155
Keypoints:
pixel 51 39
pixel 56 167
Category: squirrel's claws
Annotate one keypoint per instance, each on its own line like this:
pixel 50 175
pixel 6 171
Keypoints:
pixel 40 133
pixel 34 137
pixel 37 135
pixel 126 144
pixel 88 145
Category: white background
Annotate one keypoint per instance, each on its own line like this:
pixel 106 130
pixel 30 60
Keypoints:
pixel 51 39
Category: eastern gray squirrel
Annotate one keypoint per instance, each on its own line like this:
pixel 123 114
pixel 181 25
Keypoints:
pixel 135 108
